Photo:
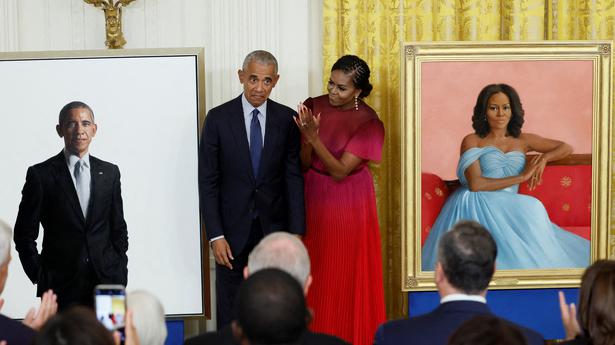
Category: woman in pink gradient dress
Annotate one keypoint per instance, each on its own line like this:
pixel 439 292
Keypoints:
pixel 341 134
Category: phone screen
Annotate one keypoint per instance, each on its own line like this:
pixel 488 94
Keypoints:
pixel 110 306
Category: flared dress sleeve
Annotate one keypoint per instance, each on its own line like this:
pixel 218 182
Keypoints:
pixel 367 141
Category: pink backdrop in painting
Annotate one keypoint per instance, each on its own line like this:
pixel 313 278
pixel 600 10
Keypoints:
pixel 556 97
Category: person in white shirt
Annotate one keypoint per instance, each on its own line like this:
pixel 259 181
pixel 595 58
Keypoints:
pixel 465 266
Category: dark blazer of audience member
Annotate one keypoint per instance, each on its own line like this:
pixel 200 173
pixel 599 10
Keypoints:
pixel 466 263
pixel 596 317
pixel 242 200
pixel 12 331
pixel 83 245
pixel 487 330
pixel 283 251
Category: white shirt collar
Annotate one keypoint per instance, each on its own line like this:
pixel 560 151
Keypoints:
pixel 248 108
pixel 463 297
pixel 71 159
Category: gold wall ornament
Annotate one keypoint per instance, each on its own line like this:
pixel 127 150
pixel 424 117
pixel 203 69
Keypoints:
pixel 113 20
pixel 411 282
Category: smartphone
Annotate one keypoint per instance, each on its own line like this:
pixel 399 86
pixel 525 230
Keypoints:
pixel 110 303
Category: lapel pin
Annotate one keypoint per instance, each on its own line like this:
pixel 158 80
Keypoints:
pixel 100 173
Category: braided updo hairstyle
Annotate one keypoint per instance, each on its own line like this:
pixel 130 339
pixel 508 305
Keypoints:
pixel 352 64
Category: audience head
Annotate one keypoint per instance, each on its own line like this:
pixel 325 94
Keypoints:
pixel 5 252
pixel 479 118
pixel 75 326
pixel 597 302
pixel 270 309
pixel 487 330
pixel 148 317
pixel 283 251
pixel 466 258
pixel 358 70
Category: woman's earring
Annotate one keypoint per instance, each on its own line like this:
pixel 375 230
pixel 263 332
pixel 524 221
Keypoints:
pixel 356 103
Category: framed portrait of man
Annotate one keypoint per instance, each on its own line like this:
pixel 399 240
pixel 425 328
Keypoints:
pixel 549 223
pixel 147 106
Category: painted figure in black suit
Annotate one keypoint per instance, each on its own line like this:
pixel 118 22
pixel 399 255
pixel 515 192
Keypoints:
pixel 465 266
pixel 77 199
pixel 250 181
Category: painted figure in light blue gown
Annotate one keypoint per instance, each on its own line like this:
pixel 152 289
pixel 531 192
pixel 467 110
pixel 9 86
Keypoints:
pixel 490 169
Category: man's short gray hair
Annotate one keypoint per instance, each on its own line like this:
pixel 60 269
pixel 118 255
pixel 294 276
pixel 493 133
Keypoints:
pixel 467 253
pixel 148 317
pixel 6 235
pixel 263 57
pixel 283 251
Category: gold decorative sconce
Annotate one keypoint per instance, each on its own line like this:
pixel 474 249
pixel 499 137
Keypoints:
pixel 113 20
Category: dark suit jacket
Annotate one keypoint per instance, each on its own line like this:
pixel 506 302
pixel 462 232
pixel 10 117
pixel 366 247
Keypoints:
pixel 436 327
pixel 15 332
pixel 225 337
pixel 49 198
pixel 229 191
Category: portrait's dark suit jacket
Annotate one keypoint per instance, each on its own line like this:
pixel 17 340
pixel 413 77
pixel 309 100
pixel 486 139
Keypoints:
pixel 436 327
pixel 225 337
pixel 229 191
pixel 15 332
pixel 49 198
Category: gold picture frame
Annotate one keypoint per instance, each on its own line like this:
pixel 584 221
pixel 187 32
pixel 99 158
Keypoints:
pixel 416 57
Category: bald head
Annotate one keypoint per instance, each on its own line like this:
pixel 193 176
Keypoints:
pixel 283 251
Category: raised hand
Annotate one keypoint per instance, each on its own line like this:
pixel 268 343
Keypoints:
pixel 132 338
pixel 308 123
pixel 35 319
pixel 569 317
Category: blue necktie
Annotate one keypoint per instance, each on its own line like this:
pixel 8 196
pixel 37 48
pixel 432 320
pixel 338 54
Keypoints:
pixel 256 142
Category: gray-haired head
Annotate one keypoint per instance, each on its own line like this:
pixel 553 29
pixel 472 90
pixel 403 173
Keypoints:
pixel 262 57
pixel 148 317
pixel 6 235
pixel 70 106
pixel 467 254
pixel 283 251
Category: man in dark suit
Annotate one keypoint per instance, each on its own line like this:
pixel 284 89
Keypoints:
pixel 250 181
pixel 12 331
pixel 77 199
pixel 285 252
pixel 466 263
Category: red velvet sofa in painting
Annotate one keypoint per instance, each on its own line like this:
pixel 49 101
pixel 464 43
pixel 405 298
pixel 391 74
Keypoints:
pixel 565 192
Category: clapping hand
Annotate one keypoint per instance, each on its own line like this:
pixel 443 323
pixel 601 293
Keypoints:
pixel 569 317
pixel 35 319
pixel 308 124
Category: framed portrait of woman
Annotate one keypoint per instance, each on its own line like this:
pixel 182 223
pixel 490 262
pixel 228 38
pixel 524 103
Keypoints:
pixel 518 137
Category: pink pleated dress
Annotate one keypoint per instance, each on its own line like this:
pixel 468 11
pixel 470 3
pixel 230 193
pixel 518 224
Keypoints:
pixel 343 236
